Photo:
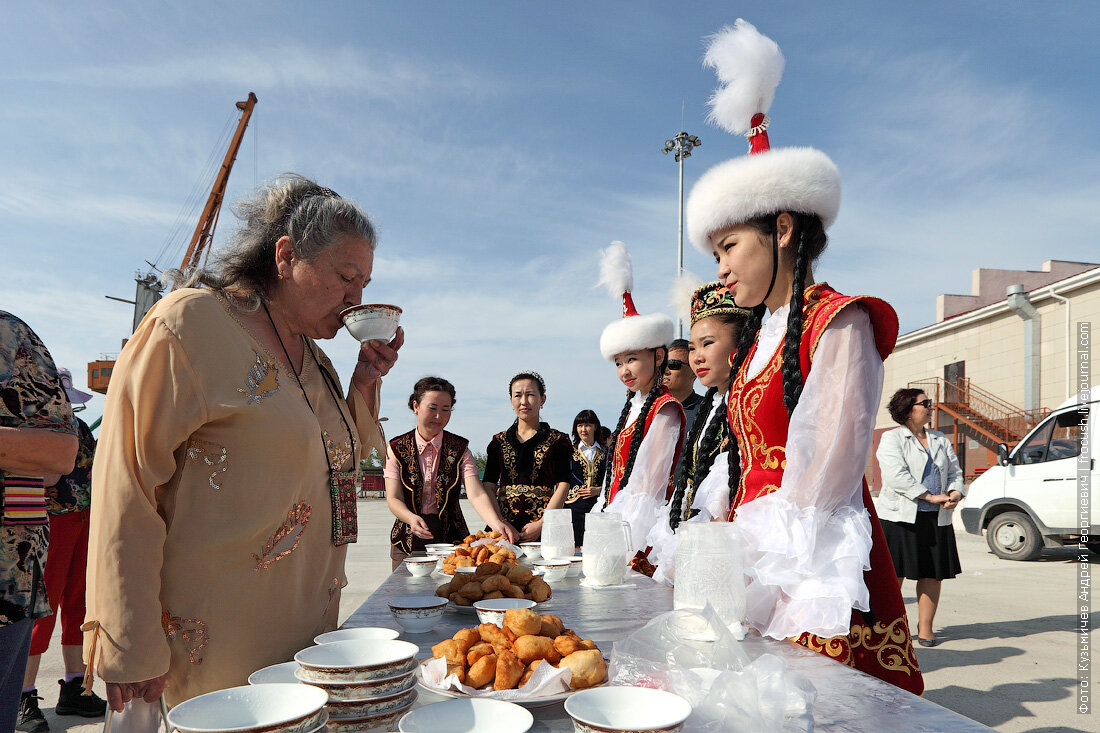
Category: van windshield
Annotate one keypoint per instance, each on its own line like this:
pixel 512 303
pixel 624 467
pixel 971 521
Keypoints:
pixel 1058 438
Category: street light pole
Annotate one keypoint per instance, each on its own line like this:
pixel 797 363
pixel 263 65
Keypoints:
pixel 682 145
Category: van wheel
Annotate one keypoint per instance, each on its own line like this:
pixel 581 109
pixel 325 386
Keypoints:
pixel 1013 536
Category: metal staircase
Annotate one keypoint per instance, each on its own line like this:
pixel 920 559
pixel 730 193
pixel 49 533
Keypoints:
pixel 988 415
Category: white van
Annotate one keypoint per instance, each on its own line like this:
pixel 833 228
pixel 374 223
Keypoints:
pixel 1030 500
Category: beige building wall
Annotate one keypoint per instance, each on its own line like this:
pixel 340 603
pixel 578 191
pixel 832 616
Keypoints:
pixel 990 340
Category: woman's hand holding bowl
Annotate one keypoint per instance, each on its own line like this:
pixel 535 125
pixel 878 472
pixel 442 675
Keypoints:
pixel 375 360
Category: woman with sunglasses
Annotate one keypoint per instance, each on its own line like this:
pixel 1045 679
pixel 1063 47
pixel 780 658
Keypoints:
pixel 921 486
pixel 806 386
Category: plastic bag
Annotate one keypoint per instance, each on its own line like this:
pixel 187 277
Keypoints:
pixel 727 691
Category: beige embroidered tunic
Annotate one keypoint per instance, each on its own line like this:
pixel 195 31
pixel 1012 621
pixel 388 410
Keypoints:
pixel 211 551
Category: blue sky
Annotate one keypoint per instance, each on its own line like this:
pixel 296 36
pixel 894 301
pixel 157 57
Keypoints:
pixel 500 146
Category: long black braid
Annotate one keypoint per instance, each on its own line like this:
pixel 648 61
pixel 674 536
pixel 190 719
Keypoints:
pixel 748 338
pixel 811 242
pixel 639 432
pixel 687 462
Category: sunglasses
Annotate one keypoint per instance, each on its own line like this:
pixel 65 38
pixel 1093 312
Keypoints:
pixel 675 365
pixel 925 403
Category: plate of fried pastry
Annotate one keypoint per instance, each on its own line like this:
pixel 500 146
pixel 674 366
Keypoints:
pixel 493 580
pixel 532 660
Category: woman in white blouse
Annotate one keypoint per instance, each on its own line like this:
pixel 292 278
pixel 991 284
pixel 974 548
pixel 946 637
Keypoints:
pixel 806 387
pixel 921 486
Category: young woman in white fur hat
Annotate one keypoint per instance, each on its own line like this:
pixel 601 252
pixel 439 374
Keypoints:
pixel 645 446
pixel 806 386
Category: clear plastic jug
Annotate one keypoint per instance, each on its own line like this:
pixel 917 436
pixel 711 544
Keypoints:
pixel 606 549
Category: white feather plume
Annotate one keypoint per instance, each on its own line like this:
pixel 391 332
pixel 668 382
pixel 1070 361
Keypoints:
pixel 749 66
pixel 683 288
pixel 616 270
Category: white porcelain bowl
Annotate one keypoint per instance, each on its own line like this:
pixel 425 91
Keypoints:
pixel 576 564
pixel 635 709
pixel 356 661
pixel 361 633
pixel 465 571
pixel 283 673
pixel 492 611
pixel 418 614
pixel 354 691
pixel 421 565
pixel 380 722
pixel 553 570
pixel 532 550
pixel 437 547
pixel 273 708
pixel 372 322
pixel 341 709
pixel 468 715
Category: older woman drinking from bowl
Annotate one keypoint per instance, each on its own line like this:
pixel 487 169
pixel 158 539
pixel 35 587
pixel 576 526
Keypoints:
pixel 225 475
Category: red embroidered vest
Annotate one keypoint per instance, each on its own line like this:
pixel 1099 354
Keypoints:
pixel 447 477
pixel 626 438
pixel 879 642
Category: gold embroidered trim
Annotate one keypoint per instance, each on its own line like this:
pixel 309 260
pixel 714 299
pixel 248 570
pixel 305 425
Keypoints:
pixel 194 638
pixel 291 529
pixel 204 451
pixel 892 645
pixel 262 379
pixel 591 470
pixel 836 647
pixel 338 453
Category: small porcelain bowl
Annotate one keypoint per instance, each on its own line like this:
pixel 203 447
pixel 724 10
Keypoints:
pixel 364 632
pixel 338 710
pixel 437 548
pixel 634 709
pixel 355 691
pixel 372 322
pixel 380 722
pixel 418 614
pixel 276 673
pixel 468 715
pixel 273 708
pixel 553 570
pixel 465 571
pixel 533 550
pixel 492 611
pixel 576 564
pixel 421 565
pixel 356 661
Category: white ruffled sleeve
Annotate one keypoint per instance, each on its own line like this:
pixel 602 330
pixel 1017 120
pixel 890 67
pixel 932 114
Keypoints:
pixel 808 544
pixel 712 499
pixel 642 499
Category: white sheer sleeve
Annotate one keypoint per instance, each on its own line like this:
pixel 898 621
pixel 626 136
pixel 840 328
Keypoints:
pixel 641 500
pixel 808 544
pixel 712 499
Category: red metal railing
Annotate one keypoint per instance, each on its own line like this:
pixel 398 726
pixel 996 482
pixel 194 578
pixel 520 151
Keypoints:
pixel 998 420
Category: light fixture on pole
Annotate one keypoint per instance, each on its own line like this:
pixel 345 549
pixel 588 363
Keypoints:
pixel 682 145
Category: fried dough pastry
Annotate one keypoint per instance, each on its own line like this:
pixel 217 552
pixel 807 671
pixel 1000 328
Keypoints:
pixel 495 582
pixel 466 638
pixel 588 667
pixel 472 591
pixel 479 650
pixel 552 626
pixel 458 671
pixel 459 600
pixel 522 621
pixel 539 590
pixel 529 648
pixel 482 672
pixel 486 569
pixel 565 645
pixel 498 637
pixel 530 671
pixel 509 670
pixel 520 575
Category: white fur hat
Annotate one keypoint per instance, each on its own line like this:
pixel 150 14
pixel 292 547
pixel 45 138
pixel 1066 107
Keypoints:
pixel 767 181
pixel 633 331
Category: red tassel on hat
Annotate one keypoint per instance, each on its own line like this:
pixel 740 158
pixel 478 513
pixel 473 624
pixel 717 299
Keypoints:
pixel 758 134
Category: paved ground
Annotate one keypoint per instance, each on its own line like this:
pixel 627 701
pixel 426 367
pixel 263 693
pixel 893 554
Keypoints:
pixel 1006 658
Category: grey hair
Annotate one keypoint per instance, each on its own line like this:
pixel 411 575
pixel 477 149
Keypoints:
pixel 312 216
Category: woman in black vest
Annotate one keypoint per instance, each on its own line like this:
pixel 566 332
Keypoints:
pixel 425 470
pixel 587 467
pixel 527 465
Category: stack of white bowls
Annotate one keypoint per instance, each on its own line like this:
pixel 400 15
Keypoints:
pixel 369 682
